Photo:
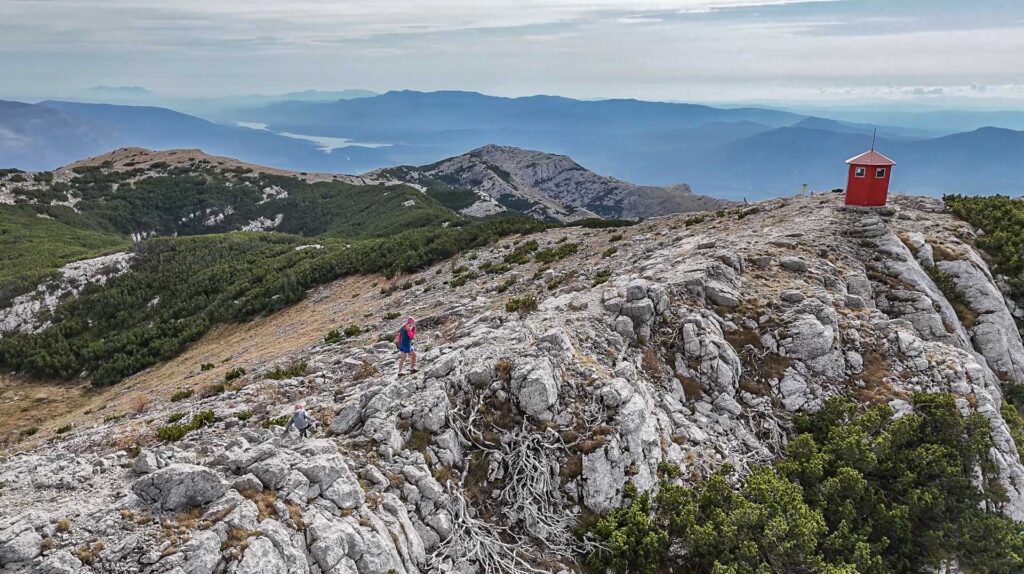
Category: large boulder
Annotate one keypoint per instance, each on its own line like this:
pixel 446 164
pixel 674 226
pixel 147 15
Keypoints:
pixel 293 557
pixel 538 391
pixel 603 478
pixel 180 486
pixel 261 557
pixel 61 562
pixel 201 553
pixel 323 469
pixel 19 543
pixel 345 492
pixel 347 419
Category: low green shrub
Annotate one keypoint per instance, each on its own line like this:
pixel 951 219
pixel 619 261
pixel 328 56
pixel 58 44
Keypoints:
pixel 462 279
pixel 506 284
pixel 522 305
pixel 598 223
pixel 695 219
pixel 181 395
pixel 296 369
pixel 63 429
pixel 521 253
pixel 858 491
pixel 668 470
pixel 214 390
pixel 206 367
pixel 275 421
pixel 233 374
pixel 550 255
pixel 602 276
pixel 175 431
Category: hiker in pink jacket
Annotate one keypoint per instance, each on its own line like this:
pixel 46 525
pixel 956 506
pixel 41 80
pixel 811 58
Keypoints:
pixel 404 342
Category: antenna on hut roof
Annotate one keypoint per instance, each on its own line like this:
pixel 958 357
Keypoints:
pixel 873 134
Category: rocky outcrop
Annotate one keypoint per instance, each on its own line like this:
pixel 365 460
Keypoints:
pixel 691 343
pixel 19 543
pixel 26 313
pixel 179 486
pixel 549 186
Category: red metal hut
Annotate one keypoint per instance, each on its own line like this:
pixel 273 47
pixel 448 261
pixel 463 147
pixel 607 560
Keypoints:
pixel 868 182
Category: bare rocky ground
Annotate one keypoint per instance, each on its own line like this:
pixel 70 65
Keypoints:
pixel 688 339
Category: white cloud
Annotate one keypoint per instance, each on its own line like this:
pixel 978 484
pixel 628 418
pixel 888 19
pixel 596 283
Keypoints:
pixel 657 49
pixel 638 20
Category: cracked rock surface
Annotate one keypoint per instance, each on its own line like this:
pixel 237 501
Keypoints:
pixel 693 343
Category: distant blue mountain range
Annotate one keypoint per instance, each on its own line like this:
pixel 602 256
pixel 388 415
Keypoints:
pixel 728 152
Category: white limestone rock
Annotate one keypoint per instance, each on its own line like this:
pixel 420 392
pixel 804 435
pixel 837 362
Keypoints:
pixel 179 486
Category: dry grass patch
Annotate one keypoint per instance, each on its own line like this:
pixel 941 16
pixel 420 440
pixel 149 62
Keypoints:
pixel 295 513
pixel 740 338
pixel 264 500
pixel 503 370
pixel 571 469
pixel 691 388
pixel 365 371
pixel 133 439
pixel 189 519
pixel 238 538
pixel 442 474
pixel 139 403
pixel 88 553
pixel 589 446
pixel 940 252
pixel 651 363
pixel 419 440
pixel 877 369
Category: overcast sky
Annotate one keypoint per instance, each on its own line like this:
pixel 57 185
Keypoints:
pixel 697 50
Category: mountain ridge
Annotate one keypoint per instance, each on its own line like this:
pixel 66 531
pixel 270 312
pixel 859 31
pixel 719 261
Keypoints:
pixel 558 187
pixel 717 151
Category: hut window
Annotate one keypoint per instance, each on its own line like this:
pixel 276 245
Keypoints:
pixel 880 173
pixel 859 172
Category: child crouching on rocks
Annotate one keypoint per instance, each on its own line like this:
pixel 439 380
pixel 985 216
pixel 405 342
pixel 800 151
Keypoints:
pixel 301 420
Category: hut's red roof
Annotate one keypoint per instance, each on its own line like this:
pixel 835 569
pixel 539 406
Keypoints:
pixel 870 158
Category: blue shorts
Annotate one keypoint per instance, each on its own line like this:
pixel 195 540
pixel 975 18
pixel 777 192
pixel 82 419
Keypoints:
pixel 405 347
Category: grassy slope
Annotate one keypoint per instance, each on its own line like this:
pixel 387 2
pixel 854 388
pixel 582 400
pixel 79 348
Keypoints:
pixel 33 247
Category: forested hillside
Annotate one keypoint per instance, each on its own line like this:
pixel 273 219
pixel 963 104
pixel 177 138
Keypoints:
pixel 212 243
pixel 36 240
pixel 180 287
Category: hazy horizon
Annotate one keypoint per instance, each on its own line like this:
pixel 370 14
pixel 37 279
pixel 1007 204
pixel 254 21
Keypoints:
pixel 855 53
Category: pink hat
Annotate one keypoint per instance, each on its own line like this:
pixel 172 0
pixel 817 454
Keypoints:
pixel 410 320
pixel 300 406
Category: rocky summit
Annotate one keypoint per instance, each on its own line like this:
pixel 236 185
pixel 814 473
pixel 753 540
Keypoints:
pixel 548 186
pixel 558 372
